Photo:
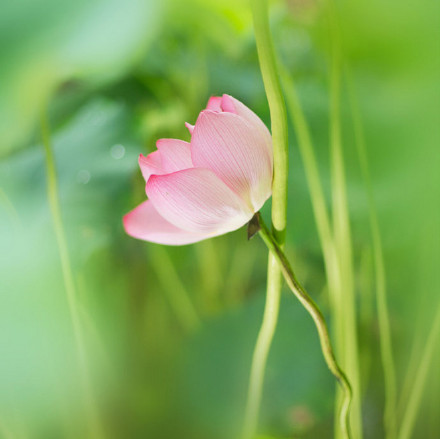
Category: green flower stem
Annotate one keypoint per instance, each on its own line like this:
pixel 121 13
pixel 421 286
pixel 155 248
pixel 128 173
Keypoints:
pixel 413 404
pixel 261 350
pixel 95 429
pixel 278 116
pixel 268 66
pixel 381 293
pixel 318 318
pixel 344 309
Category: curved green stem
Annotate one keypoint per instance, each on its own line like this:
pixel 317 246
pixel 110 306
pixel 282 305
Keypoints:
pixel 95 428
pixel 318 318
pixel 278 118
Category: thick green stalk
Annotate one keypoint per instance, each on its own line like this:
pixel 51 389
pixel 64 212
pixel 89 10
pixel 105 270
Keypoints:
pixel 268 66
pixel 381 293
pixel 321 326
pixel 413 404
pixel 345 306
pixel 95 429
pixel 278 117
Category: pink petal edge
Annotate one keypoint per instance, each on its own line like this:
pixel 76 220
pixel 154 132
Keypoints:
pixel 150 164
pixel 214 104
pixel 144 222
pixel 175 155
pixel 189 127
pixel 198 201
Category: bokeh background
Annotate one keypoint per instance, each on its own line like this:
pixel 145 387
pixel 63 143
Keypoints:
pixel 170 331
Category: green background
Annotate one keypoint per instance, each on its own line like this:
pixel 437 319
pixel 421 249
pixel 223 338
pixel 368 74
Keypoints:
pixel 114 76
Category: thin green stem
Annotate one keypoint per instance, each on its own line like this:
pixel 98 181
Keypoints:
pixel 323 224
pixel 175 290
pixel 261 350
pixel 317 197
pixel 381 293
pixel 321 326
pixel 334 272
pixel 415 397
pixel 210 269
pixel 308 156
pixel 240 274
pixel 95 429
pixel 345 306
pixel 269 71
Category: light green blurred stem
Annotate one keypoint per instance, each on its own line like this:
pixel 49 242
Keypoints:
pixel 320 211
pixel 406 387
pixel 176 292
pixel 268 66
pixel 240 274
pixel 344 305
pixel 310 164
pixel 381 293
pixel 95 429
pixel 413 404
pixel 210 272
pixel 9 207
pixel 319 321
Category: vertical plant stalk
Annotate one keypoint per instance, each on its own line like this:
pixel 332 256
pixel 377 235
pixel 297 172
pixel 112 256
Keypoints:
pixel 209 267
pixel 175 290
pixel 268 66
pixel 95 429
pixel 321 326
pixel 344 304
pixel 413 404
pixel 320 211
pixel 381 293
pixel 317 197
pixel 307 152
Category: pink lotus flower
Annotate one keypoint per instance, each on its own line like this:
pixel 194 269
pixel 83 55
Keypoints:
pixel 210 186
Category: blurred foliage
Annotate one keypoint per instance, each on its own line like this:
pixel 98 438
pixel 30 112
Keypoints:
pixel 115 76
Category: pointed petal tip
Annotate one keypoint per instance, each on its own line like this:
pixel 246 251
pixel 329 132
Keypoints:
pixel 228 104
pixel 189 127
pixel 214 103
